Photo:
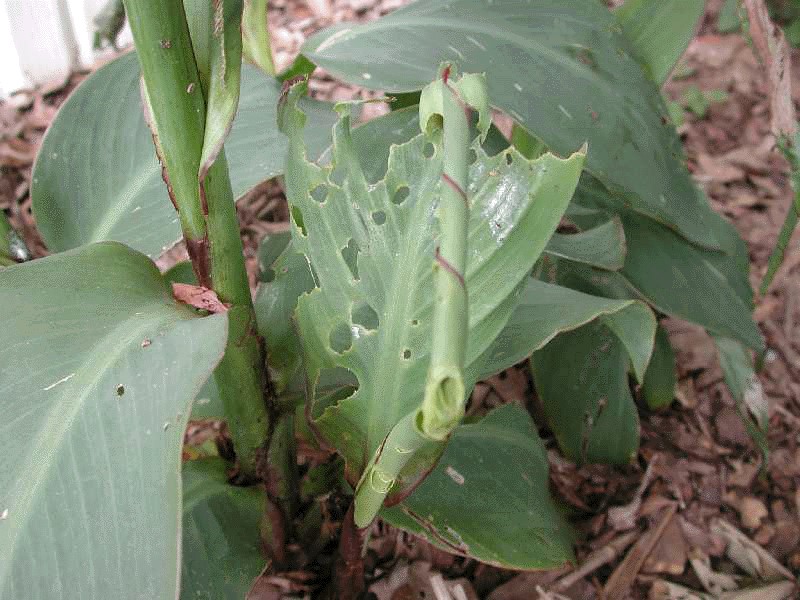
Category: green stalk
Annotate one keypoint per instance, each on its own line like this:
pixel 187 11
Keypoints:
pixel 255 36
pixel 177 112
pixel 446 106
pixel 443 404
pixel 789 150
pixel 240 376
pixel 175 96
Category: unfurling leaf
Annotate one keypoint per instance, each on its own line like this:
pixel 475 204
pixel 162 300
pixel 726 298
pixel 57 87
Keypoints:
pixel 371 250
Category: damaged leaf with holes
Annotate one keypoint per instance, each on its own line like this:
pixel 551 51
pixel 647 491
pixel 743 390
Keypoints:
pixel 370 250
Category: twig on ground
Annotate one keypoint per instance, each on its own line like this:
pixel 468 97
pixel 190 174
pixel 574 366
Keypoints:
pixel 596 559
pixel 622 578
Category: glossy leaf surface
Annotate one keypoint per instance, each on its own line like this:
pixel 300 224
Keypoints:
pixel 97 379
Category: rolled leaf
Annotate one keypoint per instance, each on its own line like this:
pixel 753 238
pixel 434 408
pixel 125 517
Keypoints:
pixel 370 249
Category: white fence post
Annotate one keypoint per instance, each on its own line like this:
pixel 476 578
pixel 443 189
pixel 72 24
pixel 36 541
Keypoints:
pixel 43 40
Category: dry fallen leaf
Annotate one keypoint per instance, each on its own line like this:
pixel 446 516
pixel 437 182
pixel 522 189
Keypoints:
pixel 198 297
pixel 623 518
pixel 713 582
pixel 771 45
pixel 752 511
pixel 669 554
pixel 748 555
pixel 665 590
pixel 624 575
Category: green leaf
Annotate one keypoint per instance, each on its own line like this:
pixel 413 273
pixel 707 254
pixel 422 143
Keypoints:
pixel 300 66
pixel 224 78
pixel 713 287
pixel 255 35
pixel 488 497
pixel 173 97
pixel 601 246
pixel 582 380
pixel 221 541
pixel 728 20
pixel 660 31
pixel 544 311
pixel 575 51
pixel 676 113
pixel 698 101
pixel 706 287
pixel 287 277
pixel 99 370
pixel 371 249
pixel 528 144
pixel 97 178
pixel 745 387
pixel 659 383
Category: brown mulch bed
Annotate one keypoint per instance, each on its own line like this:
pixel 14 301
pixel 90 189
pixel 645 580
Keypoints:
pixel 696 463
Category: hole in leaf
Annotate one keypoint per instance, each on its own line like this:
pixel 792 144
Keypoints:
pixel 415 322
pixel 341 338
pixel 379 217
pixel 509 158
pixel 472 156
pixel 406 354
pixel 350 256
pixel 120 390
pixel 401 194
pixel 268 275
pixel 428 150
pixel 365 315
pixel 319 193
pixel 297 217
pixel 333 386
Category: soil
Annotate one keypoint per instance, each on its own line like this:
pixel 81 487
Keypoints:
pixel 656 522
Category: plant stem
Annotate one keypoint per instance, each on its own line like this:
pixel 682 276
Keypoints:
pixel 281 485
pixel 240 376
pixel 177 105
pixel 442 406
pixel 177 112
pixel 255 36
pixel 790 151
